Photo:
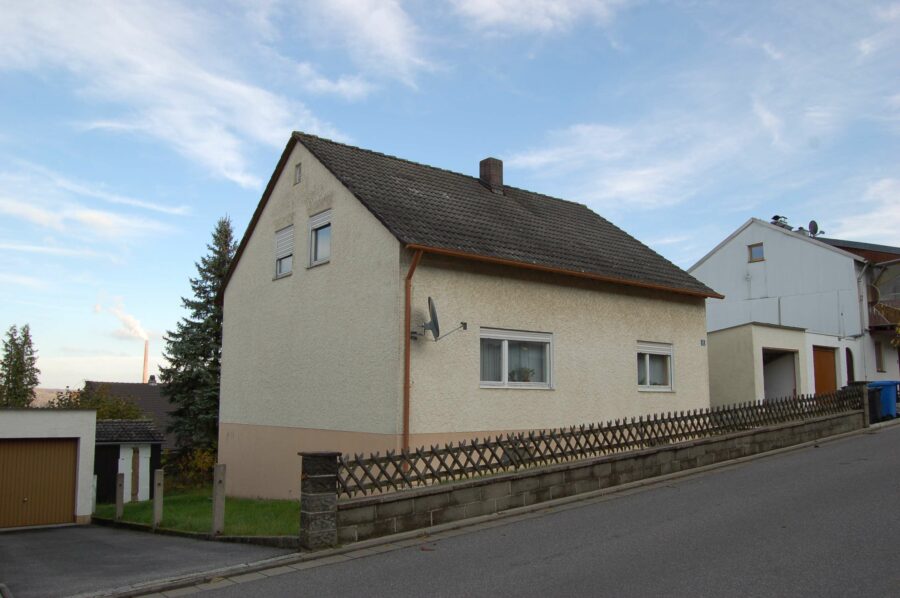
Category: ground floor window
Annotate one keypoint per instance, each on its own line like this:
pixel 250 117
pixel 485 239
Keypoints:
pixel 654 366
pixel 516 359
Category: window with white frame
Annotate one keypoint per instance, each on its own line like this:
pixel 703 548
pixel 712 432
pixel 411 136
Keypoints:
pixel 284 251
pixel 516 359
pixel 320 238
pixel 654 366
pixel 297 173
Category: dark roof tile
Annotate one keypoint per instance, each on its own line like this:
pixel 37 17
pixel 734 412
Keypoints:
pixel 125 430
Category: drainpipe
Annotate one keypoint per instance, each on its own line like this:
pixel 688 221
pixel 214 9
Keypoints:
pixel 407 327
pixel 863 312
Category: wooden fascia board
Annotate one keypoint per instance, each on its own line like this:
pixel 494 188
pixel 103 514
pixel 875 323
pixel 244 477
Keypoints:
pixel 542 268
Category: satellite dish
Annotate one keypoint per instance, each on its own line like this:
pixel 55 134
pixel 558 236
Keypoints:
pixel 433 325
pixel 813 228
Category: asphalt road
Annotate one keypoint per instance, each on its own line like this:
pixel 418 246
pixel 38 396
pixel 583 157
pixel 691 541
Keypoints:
pixel 71 560
pixel 814 522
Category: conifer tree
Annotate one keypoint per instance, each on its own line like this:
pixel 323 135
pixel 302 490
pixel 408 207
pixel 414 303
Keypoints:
pixel 18 368
pixel 193 350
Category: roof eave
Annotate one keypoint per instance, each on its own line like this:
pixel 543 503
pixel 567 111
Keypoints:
pixel 562 271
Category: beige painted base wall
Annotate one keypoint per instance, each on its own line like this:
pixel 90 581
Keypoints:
pixel 263 461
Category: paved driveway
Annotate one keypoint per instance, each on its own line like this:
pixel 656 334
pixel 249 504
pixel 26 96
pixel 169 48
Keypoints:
pixel 74 560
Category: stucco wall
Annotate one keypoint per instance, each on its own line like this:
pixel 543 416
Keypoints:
pixel 596 328
pixel 58 423
pixel 732 378
pixel 319 348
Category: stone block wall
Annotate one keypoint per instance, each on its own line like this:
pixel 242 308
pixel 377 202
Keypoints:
pixel 418 508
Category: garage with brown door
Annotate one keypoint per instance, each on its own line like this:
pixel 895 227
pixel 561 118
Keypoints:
pixel 46 459
pixel 38 481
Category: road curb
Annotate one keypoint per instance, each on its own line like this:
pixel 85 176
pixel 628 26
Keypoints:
pixel 420 536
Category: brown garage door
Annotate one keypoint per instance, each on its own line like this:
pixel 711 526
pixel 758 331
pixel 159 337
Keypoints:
pixel 37 481
pixel 825 369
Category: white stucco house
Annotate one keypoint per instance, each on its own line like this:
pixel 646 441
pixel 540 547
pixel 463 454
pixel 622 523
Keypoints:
pixel 801 314
pixel 549 315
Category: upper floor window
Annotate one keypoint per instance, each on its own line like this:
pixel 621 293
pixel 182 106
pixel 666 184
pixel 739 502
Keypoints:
pixel 515 359
pixel 297 173
pixel 879 357
pixel 654 366
pixel 320 238
pixel 755 253
pixel 284 251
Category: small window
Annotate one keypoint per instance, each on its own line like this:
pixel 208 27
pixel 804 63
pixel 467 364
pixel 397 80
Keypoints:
pixel 284 251
pixel 756 253
pixel 320 238
pixel 879 357
pixel 514 359
pixel 297 173
pixel 654 366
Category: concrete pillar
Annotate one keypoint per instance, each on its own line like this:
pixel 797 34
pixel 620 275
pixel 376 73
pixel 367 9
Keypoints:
pixel 120 495
pixel 158 480
pixel 218 518
pixel 318 500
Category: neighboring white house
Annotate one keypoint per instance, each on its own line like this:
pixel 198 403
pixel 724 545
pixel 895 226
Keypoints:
pixel 800 315
pixel 568 319
pixel 46 466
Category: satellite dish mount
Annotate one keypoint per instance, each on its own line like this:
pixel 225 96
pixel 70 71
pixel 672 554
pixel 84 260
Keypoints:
pixel 433 326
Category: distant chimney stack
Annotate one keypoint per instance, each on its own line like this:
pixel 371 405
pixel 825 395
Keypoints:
pixel 146 361
pixel 491 174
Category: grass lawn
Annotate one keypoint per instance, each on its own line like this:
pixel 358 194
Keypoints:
pixel 191 511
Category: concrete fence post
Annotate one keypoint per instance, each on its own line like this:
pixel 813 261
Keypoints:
pixel 94 496
pixel 120 495
pixel 158 483
pixel 318 500
pixel 218 518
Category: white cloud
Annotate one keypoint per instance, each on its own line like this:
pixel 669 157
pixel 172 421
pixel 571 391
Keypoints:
pixel 536 16
pixel 770 122
pixel 58 251
pixel 379 35
pixel 161 63
pixel 347 87
pixel 875 219
pixel 30 282
pixel 647 165
pixel 97 192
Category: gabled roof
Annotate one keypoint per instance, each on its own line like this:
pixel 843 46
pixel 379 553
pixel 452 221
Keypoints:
pixel 148 397
pixel 784 231
pixel 869 251
pixel 446 212
pixel 114 431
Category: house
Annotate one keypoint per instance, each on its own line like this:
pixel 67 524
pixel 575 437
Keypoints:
pixel 548 314
pixel 46 473
pixel 801 314
pixel 148 396
pixel 129 447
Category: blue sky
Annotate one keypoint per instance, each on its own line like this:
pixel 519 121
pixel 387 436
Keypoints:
pixel 128 128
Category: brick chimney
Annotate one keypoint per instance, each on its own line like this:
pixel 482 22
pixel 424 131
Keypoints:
pixel 491 174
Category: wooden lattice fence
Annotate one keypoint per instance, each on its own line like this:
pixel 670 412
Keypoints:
pixel 398 470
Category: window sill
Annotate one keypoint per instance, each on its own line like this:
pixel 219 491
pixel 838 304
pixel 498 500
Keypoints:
pixel 280 276
pixel 316 264
pixel 508 387
pixel 661 389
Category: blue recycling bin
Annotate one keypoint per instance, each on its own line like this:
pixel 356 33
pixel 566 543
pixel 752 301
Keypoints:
pixel 886 406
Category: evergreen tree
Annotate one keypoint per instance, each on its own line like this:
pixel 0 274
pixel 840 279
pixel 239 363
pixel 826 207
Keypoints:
pixel 194 349
pixel 18 368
